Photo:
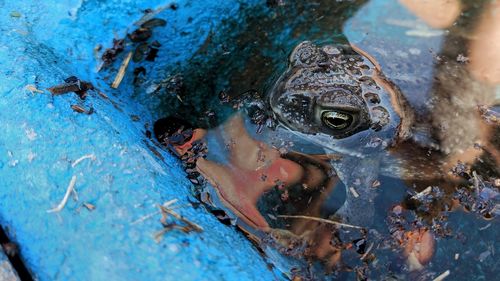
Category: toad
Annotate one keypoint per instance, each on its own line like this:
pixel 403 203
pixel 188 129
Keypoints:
pixel 333 117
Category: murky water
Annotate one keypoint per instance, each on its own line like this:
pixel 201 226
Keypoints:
pixel 409 193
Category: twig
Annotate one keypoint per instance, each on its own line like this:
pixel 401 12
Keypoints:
pixel 121 71
pixel 33 89
pixel 367 252
pixel 442 276
pixel 193 225
pixel 69 190
pixel 88 156
pixel 354 192
pixel 89 206
pixel 150 15
pixel 485 227
pixel 426 191
pixel 320 220
pixel 476 180
pixel 165 211
pixel 159 234
pixel 148 216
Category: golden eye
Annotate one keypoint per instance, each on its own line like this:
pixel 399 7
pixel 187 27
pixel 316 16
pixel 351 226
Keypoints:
pixel 337 120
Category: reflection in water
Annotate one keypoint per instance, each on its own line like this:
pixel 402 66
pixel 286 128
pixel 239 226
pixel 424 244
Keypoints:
pixel 303 166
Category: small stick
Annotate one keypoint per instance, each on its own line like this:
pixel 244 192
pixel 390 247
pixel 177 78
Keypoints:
pixel 33 89
pixel 121 71
pixel 442 276
pixel 181 218
pixel 422 193
pixel 89 206
pixel 367 252
pixel 354 192
pixel 159 234
pixel 87 156
pixel 320 220
pixel 151 15
pixel 148 216
pixel 485 227
pixel 69 190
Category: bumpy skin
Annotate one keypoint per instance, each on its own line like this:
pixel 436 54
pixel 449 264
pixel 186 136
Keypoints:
pixel 342 81
pixel 332 78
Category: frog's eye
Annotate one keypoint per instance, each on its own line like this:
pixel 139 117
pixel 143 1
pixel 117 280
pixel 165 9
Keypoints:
pixel 337 120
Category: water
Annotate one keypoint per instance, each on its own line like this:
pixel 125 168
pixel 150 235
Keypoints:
pixel 437 187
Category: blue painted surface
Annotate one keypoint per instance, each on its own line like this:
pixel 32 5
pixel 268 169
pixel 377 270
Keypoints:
pixel 41 136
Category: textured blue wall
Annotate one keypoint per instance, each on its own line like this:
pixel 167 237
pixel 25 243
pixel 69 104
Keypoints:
pixel 44 42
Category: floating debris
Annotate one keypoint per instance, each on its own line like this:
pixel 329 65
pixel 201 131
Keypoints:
pixel 153 53
pixel 89 206
pixel 354 192
pixel 121 72
pixel 33 89
pixel 489 114
pixel 482 197
pixel 72 84
pixel 79 160
pixel 69 190
pixel 110 54
pixel 188 226
pixel 80 109
pixel 15 14
pixel 462 59
pixel 138 73
pixel 154 22
pixel 422 193
pixel 140 35
pixel 140 51
pixel 327 221
pixel 148 216
pixel 150 14
pixel 442 276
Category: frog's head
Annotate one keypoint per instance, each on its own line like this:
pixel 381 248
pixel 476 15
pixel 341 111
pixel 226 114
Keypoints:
pixel 333 93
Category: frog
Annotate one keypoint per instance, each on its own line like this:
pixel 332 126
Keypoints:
pixel 348 123
pixel 337 97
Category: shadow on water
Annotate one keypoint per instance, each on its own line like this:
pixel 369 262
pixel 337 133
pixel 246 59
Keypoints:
pixel 385 202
